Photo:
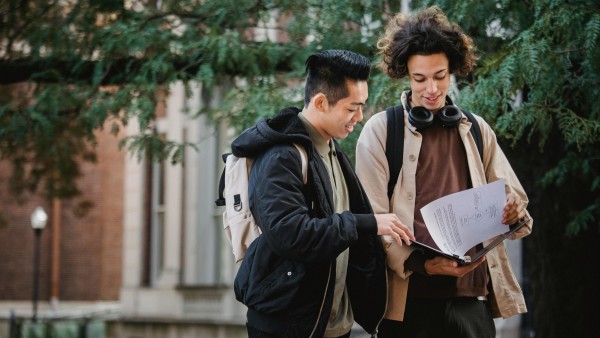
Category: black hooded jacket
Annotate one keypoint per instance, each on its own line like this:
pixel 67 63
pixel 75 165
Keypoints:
pixel 288 274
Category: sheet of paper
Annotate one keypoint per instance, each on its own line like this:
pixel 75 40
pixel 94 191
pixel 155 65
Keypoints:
pixel 459 221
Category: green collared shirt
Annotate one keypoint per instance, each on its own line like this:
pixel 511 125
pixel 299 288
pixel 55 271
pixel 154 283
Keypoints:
pixel 341 318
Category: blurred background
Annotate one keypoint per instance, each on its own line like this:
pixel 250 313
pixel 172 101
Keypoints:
pixel 114 115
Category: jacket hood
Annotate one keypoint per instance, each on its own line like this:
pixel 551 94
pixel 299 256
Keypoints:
pixel 285 127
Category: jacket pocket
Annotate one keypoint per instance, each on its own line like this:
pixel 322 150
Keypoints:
pixel 270 288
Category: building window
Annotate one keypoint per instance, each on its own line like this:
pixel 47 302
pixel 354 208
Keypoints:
pixel 157 221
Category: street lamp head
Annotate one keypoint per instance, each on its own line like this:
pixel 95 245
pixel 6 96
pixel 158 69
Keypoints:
pixel 38 218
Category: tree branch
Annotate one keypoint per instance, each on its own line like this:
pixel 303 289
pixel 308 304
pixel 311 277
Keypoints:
pixel 119 71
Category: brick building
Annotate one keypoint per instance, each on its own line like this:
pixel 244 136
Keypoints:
pixel 90 247
pixel 152 242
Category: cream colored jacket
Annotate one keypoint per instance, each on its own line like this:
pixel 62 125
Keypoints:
pixel 372 169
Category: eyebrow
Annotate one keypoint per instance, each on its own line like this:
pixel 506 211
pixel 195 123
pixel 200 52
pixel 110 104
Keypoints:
pixel 359 103
pixel 439 71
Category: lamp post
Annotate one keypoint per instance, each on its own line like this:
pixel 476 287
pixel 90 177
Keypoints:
pixel 38 222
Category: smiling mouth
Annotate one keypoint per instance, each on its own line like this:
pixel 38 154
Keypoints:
pixel 431 100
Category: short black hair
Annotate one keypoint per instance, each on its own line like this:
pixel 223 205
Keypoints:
pixel 328 70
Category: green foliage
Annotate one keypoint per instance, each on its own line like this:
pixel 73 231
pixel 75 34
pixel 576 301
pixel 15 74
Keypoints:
pixel 156 148
pixel 537 84
pixel 71 68
pixel 552 68
pixel 260 98
pixel 95 64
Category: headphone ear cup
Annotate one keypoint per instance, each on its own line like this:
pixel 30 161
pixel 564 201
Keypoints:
pixel 420 117
pixel 449 116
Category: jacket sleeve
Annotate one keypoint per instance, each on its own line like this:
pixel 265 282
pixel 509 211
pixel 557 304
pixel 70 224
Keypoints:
pixel 373 171
pixel 497 166
pixel 279 206
pixel 371 164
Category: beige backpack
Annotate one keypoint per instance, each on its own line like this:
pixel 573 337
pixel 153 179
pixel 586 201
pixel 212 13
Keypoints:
pixel 239 224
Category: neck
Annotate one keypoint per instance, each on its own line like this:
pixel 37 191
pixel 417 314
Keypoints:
pixel 313 117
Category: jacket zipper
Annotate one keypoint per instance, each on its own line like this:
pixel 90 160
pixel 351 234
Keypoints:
pixel 374 334
pixel 323 302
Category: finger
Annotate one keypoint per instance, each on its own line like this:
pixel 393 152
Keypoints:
pixel 407 235
pixel 392 233
pixel 404 234
pixel 404 230
pixel 450 263
pixel 397 238
pixel 511 198
pixel 406 239
pixel 468 268
pixel 510 205
pixel 512 214
pixel 507 216
pixel 520 212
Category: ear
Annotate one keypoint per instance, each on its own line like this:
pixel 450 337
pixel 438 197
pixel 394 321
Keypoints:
pixel 320 102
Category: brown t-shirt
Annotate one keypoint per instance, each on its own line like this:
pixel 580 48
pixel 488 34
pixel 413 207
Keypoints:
pixel 442 169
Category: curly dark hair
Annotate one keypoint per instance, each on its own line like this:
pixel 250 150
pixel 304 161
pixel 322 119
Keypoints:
pixel 424 33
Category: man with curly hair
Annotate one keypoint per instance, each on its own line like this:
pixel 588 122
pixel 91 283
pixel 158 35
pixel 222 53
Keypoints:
pixel 432 296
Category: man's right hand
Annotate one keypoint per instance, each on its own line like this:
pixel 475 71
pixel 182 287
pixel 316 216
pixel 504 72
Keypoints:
pixel 389 224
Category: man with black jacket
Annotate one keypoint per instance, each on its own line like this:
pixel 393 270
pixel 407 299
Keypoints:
pixel 319 264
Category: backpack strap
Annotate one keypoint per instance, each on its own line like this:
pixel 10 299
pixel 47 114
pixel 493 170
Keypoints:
pixel 221 200
pixel 304 160
pixel 476 132
pixel 394 145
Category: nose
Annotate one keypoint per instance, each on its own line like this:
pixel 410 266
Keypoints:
pixel 431 86
pixel 358 116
